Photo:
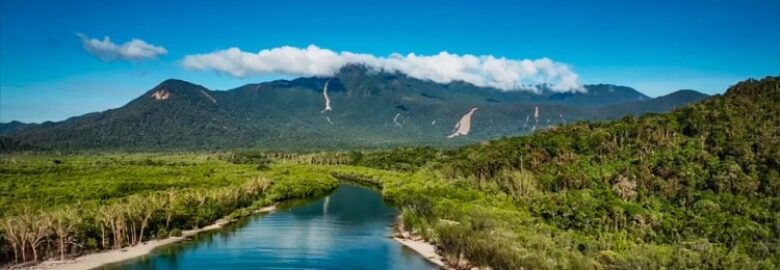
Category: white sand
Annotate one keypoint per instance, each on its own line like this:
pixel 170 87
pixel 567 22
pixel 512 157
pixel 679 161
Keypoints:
pixel 99 259
pixel 267 209
pixel 95 260
pixel 423 248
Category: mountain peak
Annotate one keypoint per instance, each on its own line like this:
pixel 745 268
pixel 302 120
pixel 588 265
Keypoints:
pixel 686 92
pixel 613 88
pixel 177 84
pixel 354 68
pixel 178 90
pixel 177 114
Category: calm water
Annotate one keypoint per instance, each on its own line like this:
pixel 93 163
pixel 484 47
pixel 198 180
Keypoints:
pixel 347 230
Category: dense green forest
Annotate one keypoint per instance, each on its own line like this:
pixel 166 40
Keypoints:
pixel 696 188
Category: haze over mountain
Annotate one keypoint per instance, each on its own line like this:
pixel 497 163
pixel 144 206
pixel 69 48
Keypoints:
pixel 356 108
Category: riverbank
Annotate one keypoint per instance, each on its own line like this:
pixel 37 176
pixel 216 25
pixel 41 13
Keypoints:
pixel 95 260
pixel 426 249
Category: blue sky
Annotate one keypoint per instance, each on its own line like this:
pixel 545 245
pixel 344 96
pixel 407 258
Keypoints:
pixel 654 46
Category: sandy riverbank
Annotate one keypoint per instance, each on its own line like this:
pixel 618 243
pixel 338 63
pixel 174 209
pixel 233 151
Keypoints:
pixel 419 245
pixel 267 209
pixel 95 260
pixel 425 249
pixel 99 259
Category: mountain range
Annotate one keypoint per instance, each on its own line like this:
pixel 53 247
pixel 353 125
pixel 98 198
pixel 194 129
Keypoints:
pixel 356 108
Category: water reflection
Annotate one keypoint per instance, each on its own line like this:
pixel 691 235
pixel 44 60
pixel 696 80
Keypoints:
pixel 347 230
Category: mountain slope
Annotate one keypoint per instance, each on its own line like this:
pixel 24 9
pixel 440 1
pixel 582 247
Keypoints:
pixel 707 174
pixel 367 110
pixel 659 104
pixel 14 126
pixel 695 188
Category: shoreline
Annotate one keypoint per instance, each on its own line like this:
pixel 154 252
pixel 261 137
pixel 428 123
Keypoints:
pixel 103 258
pixel 423 248
pixel 99 259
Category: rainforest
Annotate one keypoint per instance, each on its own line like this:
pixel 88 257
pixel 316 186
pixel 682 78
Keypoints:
pixel 409 135
pixel 693 188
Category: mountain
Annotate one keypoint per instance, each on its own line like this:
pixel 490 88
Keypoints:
pixel 13 126
pixel 659 104
pixel 694 188
pixel 8 145
pixel 365 109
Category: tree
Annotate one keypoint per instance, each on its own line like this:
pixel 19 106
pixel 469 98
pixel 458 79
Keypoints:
pixel 625 188
pixel 64 223
pixel 11 229
pixel 146 208
pixel 38 228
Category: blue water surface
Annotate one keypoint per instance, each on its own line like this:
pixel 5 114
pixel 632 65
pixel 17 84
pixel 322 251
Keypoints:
pixel 348 229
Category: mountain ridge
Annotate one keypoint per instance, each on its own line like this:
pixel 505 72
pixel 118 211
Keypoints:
pixel 369 110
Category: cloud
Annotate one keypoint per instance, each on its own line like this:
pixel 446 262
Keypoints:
pixel 444 67
pixel 134 49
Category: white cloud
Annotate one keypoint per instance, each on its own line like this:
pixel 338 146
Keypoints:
pixel 482 70
pixel 134 49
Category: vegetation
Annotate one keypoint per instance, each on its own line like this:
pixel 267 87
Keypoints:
pixel 365 105
pixel 695 188
pixel 8 145
pixel 59 206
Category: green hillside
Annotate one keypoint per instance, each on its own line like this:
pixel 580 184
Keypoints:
pixel 697 188
pixel 369 110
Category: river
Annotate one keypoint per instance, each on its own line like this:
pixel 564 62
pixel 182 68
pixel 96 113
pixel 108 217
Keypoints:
pixel 349 229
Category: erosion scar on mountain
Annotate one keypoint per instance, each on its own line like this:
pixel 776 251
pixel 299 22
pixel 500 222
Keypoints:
pixel 395 120
pixel 253 113
pixel 463 126
pixel 327 98
pixel 536 118
pixel 161 94
pixel 209 96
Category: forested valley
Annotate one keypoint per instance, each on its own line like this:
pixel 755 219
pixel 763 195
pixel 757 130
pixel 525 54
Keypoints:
pixel 696 188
